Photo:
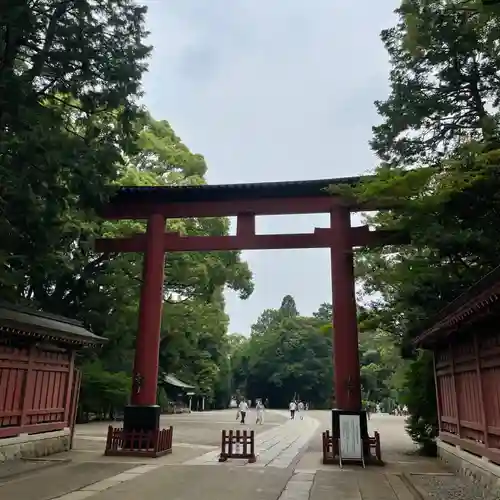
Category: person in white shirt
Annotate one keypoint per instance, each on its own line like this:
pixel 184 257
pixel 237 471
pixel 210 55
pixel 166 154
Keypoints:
pixel 300 408
pixel 243 411
pixel 260 412
pixel 292 406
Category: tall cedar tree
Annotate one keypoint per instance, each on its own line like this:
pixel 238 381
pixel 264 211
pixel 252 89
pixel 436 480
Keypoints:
pixel 70 74
pixel 438 143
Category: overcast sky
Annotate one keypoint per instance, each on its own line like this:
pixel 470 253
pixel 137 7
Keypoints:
pixel 270 91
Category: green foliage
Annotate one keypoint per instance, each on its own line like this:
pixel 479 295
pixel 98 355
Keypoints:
pixel 69 78
pixel 288 307
pixel 443 75
pixel 442 204
pixel 289 355
pixel 103 392
pixel 438 141
pixel 193 336
pixel 422 424
pixel 70 132
pixel 382 369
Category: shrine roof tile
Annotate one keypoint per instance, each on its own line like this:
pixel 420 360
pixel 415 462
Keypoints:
pixel 23 321
pixel 230 192
pixel 465 308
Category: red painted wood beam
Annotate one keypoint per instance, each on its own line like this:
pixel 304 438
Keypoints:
pixel 321 238
pixel 266 206
pixel 245 225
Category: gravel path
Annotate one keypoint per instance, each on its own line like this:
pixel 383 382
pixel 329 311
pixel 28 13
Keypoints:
pixel 450 487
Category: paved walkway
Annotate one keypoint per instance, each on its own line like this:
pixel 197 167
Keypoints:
pixel 276 447
pixel 288 467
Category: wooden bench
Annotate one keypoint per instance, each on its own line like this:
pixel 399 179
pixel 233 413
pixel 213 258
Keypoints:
pixel 238 444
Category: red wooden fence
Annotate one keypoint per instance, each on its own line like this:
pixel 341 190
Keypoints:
pixel 141 443
pixel 468 394
pixel 36 386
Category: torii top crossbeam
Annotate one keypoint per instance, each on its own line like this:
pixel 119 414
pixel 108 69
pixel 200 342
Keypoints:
pixel 244 201
pixel 226 200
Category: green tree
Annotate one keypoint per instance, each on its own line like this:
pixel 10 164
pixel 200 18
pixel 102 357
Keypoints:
pixel 443 76
pixel 292 355
pixel 69 79
pixel 438 141
pixel 422 424
pixel 103 291
pixel 439 57
pixel 288 307
pixel 102 392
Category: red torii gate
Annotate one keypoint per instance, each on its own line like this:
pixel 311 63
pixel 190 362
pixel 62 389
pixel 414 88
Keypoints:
pixel 245 202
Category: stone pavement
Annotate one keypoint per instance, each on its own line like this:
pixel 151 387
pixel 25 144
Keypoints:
pixel 197 428
pixel 276 447
pixel 288 468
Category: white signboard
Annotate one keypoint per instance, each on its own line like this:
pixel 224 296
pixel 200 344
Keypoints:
pixel 351 446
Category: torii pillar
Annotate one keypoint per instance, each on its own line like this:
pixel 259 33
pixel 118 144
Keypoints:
pixel 347 380
pixel 143 413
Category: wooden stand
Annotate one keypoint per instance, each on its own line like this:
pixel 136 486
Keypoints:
pixel 331 453
pixel 239 444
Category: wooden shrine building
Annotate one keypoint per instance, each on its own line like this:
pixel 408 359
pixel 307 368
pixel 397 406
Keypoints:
pixel 465 340
pixel 39 384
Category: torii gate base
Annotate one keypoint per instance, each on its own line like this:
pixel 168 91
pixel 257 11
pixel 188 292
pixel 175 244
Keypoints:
pixel 157 204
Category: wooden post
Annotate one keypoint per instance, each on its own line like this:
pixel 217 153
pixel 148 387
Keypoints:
pixel 455 392
pixel 69 388
pixel 29 387
pixel 75 397
pixel 438 392
pixel 479 377
pixel 245 225
pixel 345 323
pixel 252 446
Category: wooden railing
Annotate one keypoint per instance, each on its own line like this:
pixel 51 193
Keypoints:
pixel 138 443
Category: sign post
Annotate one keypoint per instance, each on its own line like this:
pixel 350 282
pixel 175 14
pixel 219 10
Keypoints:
pixel 351 443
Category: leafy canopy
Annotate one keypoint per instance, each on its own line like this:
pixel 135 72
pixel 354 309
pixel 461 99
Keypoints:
pixel 71 131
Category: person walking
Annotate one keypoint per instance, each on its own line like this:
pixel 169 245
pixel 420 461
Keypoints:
pixel 260 412
pixel 300 408
pixel 243 410
pixel 292 406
